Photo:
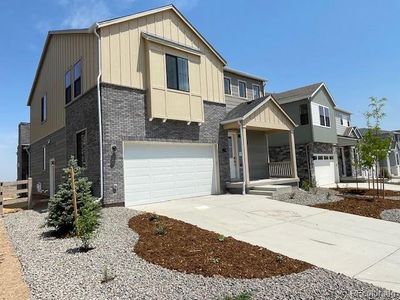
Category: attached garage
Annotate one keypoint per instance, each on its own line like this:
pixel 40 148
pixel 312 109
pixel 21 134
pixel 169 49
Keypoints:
pixel 324 166
pixel 155 172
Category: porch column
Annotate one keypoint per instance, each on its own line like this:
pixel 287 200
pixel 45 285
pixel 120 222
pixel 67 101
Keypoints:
pixel 292 146
pixel 245 164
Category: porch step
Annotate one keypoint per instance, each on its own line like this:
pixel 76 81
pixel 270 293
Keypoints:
pixel 270 190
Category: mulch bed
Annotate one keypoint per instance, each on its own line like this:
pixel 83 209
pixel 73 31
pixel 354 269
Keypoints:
pixel 363 207
pixel 366 192
pixel 186 248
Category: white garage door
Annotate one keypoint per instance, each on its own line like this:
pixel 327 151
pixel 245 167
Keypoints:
pixel 324 169
pixel 156 172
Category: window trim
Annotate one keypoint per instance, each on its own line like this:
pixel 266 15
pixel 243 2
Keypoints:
pixel 177 74
pixel 230 85
pixel 44 113
pixel 79 61
pixel 76 145
pixel 259 90
pixel 308 114
pixel 319 115
pixel 245 89
pixel 44 157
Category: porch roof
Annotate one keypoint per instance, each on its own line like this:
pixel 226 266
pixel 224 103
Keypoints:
pixel 261 113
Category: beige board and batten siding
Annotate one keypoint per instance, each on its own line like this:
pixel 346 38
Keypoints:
pixel 166 103
pixel 63 51
pixel 124 54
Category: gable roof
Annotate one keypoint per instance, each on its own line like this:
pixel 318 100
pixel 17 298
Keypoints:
pixel 352 132
pixel 244 74
pixel 343 110
pixel 245 109
pixel 109 22
pixel 305 92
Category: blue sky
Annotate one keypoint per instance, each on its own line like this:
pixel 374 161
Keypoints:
pixel 353 46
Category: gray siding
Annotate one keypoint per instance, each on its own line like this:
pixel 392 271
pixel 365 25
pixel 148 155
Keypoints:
pixel 340 129
pixel 233 100
pixel 82 114
pixel 55 148
pixel 324 134
pixel 124 119
pixel 302 133
pixel 24 131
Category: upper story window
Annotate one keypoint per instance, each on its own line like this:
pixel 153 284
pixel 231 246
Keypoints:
pixel 43 110
pixel 68 87
pixel 304 114
pixel 242 89
pixel 177 73
pixel 256 91
pixel 227 86
pixel 81 148
pixel 324 118
pixel 344 120
pixel 77 79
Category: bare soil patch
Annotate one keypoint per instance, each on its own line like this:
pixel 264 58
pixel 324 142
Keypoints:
pixel 186 248
pixel 12 286
pixel 363 207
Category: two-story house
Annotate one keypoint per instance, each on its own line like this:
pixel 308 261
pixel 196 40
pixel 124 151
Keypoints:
pixel 313 109
pixel 141 102
pixel 347 136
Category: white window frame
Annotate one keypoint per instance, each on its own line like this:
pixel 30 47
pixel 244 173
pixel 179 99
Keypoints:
pixel 230 85
pixel 245 89
pixel 329 115
pixel 44 158
pixel 259 90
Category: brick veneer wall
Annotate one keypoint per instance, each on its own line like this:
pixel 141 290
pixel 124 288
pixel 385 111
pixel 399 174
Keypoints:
pixel 125 119
pixel 55 148
pixel 79 115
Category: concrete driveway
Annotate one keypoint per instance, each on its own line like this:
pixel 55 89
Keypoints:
pixel 364 248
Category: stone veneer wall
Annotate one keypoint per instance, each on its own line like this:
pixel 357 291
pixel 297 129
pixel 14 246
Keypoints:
pixel 125 119
pixel 79 115
pixel 282 153
pixel 55 148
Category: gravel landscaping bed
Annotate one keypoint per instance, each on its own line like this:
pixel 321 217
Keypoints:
pixel 392 215
pixel 54 269
pixel 314 196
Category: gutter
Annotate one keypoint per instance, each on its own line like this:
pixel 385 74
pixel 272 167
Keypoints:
pixel 100 113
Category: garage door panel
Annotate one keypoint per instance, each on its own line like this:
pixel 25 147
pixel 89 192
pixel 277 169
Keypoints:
pixel 160 171
pixel 324 171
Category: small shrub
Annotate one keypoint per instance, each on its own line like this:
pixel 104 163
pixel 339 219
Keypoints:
pixel 154 217
pixel 221 238
pixel 280 259
pixel 241 296
pixel 307 185
pixel 160 229
pixel 292 195
pixel 87 222
pixel 214 260
pixel 106 276
pixel 61 212
pixel 328 196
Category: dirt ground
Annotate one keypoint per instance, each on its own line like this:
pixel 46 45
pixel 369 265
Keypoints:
pixel 186 248
pixel 12 285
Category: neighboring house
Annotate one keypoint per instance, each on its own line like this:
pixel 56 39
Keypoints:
pixel 313 109
pixel 348 136
pixel 23 151
pixel 392 161
pixel 140 102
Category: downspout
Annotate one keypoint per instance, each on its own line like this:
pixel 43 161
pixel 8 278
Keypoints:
pixel 243 160
pixel 100 113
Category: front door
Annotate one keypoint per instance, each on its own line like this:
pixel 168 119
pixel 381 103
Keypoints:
pixel 52 179
pixel 234 153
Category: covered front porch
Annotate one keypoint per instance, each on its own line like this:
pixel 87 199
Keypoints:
pixel 249 127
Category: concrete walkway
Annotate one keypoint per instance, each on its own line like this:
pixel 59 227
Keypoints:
pixel 362 185
pixel 364 248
